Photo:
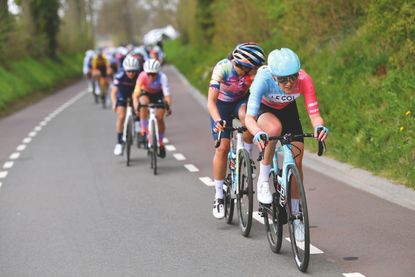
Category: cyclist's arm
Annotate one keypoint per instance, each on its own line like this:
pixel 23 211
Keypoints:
pixel 114 96
pixel 212 108
pixel 257 90
pixel 137 93
pixel 165 88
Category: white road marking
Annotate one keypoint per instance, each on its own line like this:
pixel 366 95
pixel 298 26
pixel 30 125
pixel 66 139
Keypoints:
pixel 27 140
pixel 207 181
pixel 21 147
pixel 257 217
pixel 14 155
pixel 353 274
pixel 0 184
pixel 32 134
pixel 3 174
pixel 165 140
pixel 313 249
pixel 8 165
pixel 43 123
pixel 191 168
pixel 179 157
pixel 38 128
pixel 170 147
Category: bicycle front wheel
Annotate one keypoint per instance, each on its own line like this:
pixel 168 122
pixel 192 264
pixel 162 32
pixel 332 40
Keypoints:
pixel 244 198
pixel 229 202
pixel 129 140
pixel 298 218
pixel 153 147
pixel 272 218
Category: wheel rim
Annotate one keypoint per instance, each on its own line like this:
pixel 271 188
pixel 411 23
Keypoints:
pixel 245 198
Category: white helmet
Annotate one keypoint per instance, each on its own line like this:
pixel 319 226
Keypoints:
pixel 130 63
pixel 152 66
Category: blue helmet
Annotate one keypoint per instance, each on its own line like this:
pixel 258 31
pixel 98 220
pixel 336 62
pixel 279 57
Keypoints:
pixel 283 62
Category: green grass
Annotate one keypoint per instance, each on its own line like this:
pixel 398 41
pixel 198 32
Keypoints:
pixel 23 81
pixel 370 115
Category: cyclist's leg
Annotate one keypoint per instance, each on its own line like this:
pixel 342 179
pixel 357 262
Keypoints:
pixel 144 100
pixel 269 123
pixel 119 126
pixel 240 113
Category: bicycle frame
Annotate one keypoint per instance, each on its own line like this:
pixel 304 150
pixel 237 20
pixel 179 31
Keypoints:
pixel 288 159
pixel 128 115
pixel 152 118
pixel 233 158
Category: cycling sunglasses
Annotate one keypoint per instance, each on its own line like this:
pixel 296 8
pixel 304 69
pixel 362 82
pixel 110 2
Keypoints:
pixel 286 79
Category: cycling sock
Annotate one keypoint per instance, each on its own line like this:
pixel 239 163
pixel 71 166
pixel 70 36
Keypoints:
pixel 161 136
pixel 144 124
pixel 295 205
pixel 248 147
pixel 219 189
pixel 264 172
pixel 119 138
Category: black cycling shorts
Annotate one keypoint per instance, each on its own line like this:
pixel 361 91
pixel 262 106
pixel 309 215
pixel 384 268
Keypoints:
pixel 289 118
pixel 157 97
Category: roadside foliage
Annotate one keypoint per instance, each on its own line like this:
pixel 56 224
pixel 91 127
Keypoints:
pixel 360 54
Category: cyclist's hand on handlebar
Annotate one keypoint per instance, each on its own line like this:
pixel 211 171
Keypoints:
pixel 219 125
pixel 321 132
pixel 261 139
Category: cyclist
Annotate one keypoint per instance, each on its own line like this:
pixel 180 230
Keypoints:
pixel 124 83
pixel 87 69
pixel 152 87
pixel 272 111
pixel 227 97
pixel 101 69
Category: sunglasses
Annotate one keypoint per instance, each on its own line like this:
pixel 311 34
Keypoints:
pixel 131 71
pixel 287 79
pixel 152 74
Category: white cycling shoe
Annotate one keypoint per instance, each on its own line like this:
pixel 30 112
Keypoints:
pixel 263 194
pixel 218 209
pixel 118 149
pixel 298 230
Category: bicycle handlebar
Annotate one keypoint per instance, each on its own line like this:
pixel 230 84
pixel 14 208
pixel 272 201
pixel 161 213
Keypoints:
pixel 288 138
pixel 238 129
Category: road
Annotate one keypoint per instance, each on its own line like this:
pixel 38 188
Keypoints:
pixel 69 207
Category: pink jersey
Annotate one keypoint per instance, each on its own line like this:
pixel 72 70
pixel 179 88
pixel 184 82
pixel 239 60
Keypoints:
pixel 159 84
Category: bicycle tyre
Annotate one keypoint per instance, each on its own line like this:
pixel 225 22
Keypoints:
pixel 272 222
pixel 154 147
pixel 244 199
pixel 301 250
pixel 129 141
pixel 229 203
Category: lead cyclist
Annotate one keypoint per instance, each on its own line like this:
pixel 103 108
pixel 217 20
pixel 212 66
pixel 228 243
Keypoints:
pixel 272 111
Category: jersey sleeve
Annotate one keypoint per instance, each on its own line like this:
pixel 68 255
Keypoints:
pixel 164 84
pixel 258 88
pixel 310 98
pixel 117 78
pixel 217 76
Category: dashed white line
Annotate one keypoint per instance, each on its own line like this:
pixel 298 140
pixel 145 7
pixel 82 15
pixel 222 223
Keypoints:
pixel 3 174
pixel 313 249
pixel 43 123
pixel 165 140
pixel 170 147
pixel 257 217
pixel 8 165
pixel 0 184
pixel 191 168
pixel 27 140
pixel 14 155
pixel 179 157
pixel 353 274
pixel 21 147
pixel 32 134
pixel 207 181
pixel 38 128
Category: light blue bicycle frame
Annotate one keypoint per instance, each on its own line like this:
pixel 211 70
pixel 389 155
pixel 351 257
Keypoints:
pixel 288 159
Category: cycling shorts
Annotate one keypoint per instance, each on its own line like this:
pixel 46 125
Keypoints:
pixel 157 97
pixel 289 118
pixel 227 111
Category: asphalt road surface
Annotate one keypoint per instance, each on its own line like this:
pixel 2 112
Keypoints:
pixel 69 207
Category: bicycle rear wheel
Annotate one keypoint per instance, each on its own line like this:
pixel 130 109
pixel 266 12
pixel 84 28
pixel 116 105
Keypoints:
pixel 229 203
pixel 272 218
pixel 153 149
pixel 244 198
pixel 129 140
pixel 300 242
